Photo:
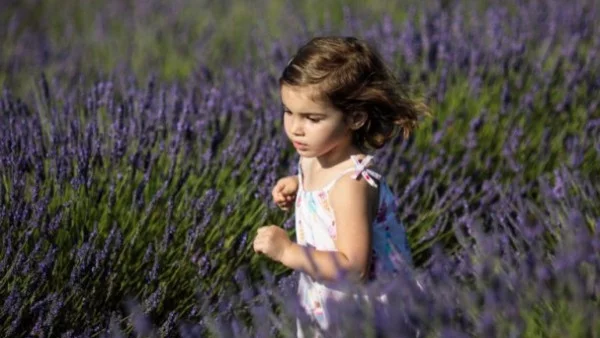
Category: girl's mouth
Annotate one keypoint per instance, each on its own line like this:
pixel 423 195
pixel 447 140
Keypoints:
pixel 299 145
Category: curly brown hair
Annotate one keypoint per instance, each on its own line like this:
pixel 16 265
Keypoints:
pixel 352 76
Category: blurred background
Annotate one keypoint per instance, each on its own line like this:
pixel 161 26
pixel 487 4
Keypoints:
pixel 139 141
pixel 172 39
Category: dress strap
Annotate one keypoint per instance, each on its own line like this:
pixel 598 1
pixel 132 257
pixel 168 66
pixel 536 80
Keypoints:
pixel 300 173
pixel 360 169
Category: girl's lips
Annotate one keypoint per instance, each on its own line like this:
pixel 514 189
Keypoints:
pixel 299 145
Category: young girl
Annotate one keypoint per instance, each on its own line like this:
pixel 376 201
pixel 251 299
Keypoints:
pixel 339 100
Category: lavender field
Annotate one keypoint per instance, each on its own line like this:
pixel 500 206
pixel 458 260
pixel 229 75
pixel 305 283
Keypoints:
pixel 140 140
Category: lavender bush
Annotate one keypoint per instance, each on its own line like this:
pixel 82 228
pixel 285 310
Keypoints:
pixel 130 189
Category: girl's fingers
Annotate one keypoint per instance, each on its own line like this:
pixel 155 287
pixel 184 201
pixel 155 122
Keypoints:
pixel 284 205
pixel 258 244
pixel 255 246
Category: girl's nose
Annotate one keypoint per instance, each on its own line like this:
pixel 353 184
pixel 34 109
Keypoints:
pixel 297 128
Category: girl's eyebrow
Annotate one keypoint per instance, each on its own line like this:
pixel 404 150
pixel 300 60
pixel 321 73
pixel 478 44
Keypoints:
pixel 303 113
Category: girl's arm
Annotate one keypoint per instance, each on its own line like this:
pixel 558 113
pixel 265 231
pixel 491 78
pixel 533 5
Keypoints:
pixel 354 205
pixel 319 264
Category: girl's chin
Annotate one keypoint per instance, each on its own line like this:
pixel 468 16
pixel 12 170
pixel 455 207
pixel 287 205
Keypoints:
pixel 308 154
pixel 305 152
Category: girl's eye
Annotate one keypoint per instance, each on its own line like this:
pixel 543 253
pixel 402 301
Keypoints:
pixel 287 112
pixel 314 120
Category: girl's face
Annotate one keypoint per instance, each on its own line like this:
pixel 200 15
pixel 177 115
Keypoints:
pixel 314 127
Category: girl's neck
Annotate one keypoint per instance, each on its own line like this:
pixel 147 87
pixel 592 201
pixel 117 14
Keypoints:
pixel 336 156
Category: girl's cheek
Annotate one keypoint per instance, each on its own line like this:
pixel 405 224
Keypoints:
pixel 287 125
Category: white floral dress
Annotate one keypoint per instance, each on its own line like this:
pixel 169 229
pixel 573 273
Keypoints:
pixel 316 228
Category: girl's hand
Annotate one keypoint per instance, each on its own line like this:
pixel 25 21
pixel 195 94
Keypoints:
pixel 284 192
pixel 272 241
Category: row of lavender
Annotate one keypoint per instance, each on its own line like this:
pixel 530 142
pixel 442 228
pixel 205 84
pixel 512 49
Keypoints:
pixel 132 205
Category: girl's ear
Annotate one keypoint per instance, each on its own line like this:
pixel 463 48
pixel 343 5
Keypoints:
pixel 357 120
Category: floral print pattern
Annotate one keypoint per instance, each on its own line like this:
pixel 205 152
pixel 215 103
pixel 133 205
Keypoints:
pixel 316 227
